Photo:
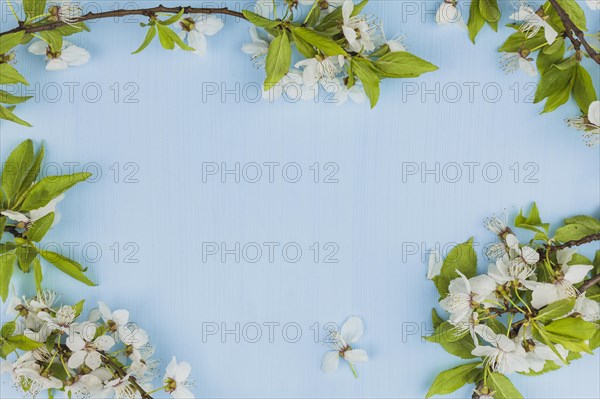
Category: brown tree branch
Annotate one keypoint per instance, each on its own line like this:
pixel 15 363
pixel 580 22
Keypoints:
pixel 575 35
pixel 147 12
pixel 590 283
pixel 569 244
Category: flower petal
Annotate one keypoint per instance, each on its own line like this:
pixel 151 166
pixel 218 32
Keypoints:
pixel 544 294
pixel 77 358
pixel 93 360
pixel 576 273
pixel 38 47
pixel 356 356
pixel 74 55
pixel 352 330
pixel 435 264
pixel 330 361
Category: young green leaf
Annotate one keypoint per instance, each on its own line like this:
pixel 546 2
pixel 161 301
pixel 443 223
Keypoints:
pixel 173 18
pixel 436 320
pixel 168 38
pixel 49 188
pixel 323 43
pixel 450 380
pixel 15 170
pixel 366 72
pixel 572 327
pixel 259 20
pixel 476 20
pixel 9 75
pixel 573 231
pixel 489 10
pixel 402 64
pixel 34 8
pixel 583 89
pixel 147 40
pixel 532 222
pixel 33 171
pixel 23 343
pixel 503 387
pixel 575 12
pixel 10 40
pixel 7 265
pixel 25 255
pixel 11 99
pixel 37 273
pixel 555 310
pixel 461 258
pixel 303 47
pixel 7 114
pixel 278 60
pixel 40 227
pixel 67 266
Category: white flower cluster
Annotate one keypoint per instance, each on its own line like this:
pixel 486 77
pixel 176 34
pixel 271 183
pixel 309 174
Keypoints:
pixel 589 124
pixel 102 357
pixel 361 35
pixel 510 279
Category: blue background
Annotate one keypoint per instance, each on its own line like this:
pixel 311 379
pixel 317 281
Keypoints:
pixel 374 214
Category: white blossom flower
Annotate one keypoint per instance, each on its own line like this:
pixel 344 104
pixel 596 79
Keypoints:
pixel 518 264
pixel 24 365
pixel 115 321
pixel 593 4
pixel 563 286
pixel 86 386
pixel 120 388
pixel 320 68
pixel 86 349
pixel 356 93
pixel 448 13
pixel 395 44
pixel 36 214
pixel 68 12
pixel 532 23
pixel 496 224
pixel 134 339
pixel 65 316
pixel 466 294
pixel 258 49
pixel 176 379
pixel 69 55
pixel 587 308
pixel 357 30
pixel 195 29
pixel 510 62
pixel 293 86
pixel 435 264
pixel 590 123
pixel 537 353
pixel 504 356
pixel 351 332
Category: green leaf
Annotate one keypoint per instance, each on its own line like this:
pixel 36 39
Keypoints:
pixel 436 320
pixel 9 75
pixel 10 40
pixel 2 224
pixel 53 38
pixel 6 349
pixel 49 188
pixel 503 386
pixel 575 12
pixel 173 18
pixel 573 232
pixel 278 60
pixel 303 47
pixel 461 258
pixel 583 89
pixel 10 99
pixel 7 265
pixel 446 332
pixel 34 8
pixel 573 328
pixel 476 20
pixel 79 307
pixel 489 10
pixel 519 41
pixel 147 40
pixel 402 64
pixel 532 222
pixel 67 266
pixel 8 329
pixel 450 380
pixel 551 55
pixel 555 310
pixel 15 170
pixel 461 348
pixel 554 80
pixel 366 72
pixel 323 43
pixel 25 255
pixel 37 273
pixel 33 171
pixel 23 343
pixel 597 262
pixel 560 97
pixel 259 20
pixel 168 38
pixel 40 227
pixel 7 114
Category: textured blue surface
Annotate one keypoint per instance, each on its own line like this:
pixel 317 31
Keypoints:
pixel 376 215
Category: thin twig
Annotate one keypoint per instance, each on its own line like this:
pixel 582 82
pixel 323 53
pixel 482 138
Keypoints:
pixel 569 244
pixel 123 13
pixel 122 374
pixel 590 283
pixel 575 35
